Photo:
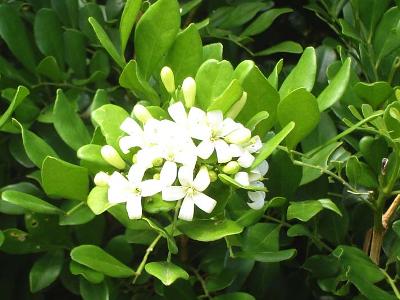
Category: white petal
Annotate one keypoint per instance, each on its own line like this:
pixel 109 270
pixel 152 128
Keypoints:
pixel 168 173
pixel 228 125
pixel 116 195
pixel 257 199
pixel 223 151
pixel 239 136
pixel 130 126
pixel 263 167
pixel 198 128
pixel 128 142
pixel 205 149
pixel 236 150
pixel 134 207
pixel 196 116
pixel 185 176
pixel 255 144
pixel 202 180
pixel 117 180
pixel 187 209
pixel 136 173
pixel 242 178
pixel 187 157
pixel 215 117
pixel 173 193
pixel 178 113
pixel 150 187
pixel 246 159
pixel 204 202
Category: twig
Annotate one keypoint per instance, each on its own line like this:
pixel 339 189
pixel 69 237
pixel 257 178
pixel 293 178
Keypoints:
pixel 391 283
pixel 202 283
pixel 390 211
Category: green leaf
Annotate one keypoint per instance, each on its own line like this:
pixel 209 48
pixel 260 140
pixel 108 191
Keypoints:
pixel 274 76
pixel 261 96
pixel 271 144
pixel 302 75
pixel 209 230
pixel 359 173
pixel 36 148
pixel 109 117
pixel 87 273
pixel 68 124
pixel 91 159
pixel 13 32
pixel 131 79
pixel 264 21
pixel 270 256
pixel 91 291
pixel 67 11
pixel 128 19
pixel 386 36
pixel 98 200
pixel 186 54
pixel 373 93
pixel 1 238
pixel 230 181
pixel 45 270
pixel 234 296
pixel 231 94
pixel 167 272
pixel 19 96
pixel 283 47
pixel 336 88
pixel 30 202
pixel 155 33
pixel 49 68
pixel 106 42
pixel 299 107
pixel 17 241
pixel 49 34
pixel 305 210
pixel 256 119
pixel 61 179
pixel 212 51
pixel 76 213
pixel 212 78
pixel 75 51
pixel 97 259
pixel 391 120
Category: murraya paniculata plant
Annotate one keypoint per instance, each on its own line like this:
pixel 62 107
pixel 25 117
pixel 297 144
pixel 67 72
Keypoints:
pixel 162 170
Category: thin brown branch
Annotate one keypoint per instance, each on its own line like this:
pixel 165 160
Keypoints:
pixel 390 211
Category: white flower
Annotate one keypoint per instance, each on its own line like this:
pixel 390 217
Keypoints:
pixel 244 152
pixel 101 179
pixel 132 189
pixel 191 192
pixel 253 178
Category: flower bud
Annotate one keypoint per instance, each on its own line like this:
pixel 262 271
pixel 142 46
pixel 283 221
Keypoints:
pixel 213 175
pixel 156 176
pixel 167 77
pixel 134 158
pixel 142 113
pixel 101 179
pixel 231 168
pixel 157 162
pixel 111 156
pixel 239 136
pixel 189 91
pixel 237 107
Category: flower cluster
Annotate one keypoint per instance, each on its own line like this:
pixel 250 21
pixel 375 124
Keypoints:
pixel 179 157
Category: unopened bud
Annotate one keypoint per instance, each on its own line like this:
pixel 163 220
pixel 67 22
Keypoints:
pixel 142 113
pixel 231 168
pixel 134 158
pixel 156 176
pixel 213 175
pixel 111 156
pixel 237 107
pixel 167 77
pixel 239 136
pixel 157 162
pixel 101 179
pixel 189 91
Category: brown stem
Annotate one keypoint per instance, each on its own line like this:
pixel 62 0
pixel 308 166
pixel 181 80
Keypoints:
pixel 376 244
pixel 367 241
pixel 390 211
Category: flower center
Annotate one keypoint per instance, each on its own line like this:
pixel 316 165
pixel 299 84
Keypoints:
pixel 190 191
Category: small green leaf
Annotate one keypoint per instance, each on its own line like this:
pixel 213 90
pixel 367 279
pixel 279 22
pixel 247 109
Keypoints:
pixel 48 67
pixel 46 270
pixel 264 21
pixel 305 210
pixel 91 291
pixel 228 97
pixel 302 75
pixel 30 202
pixel 36 148
pixel 106 42
pixel 68 124
pixel 98 200
pixel 270 256
pixel 209 230
pixel 212 51
pixel 271 144
pixel 91 159
pixel 1 238
pixel 61 179
pixel 235 296
pixel 97 259
pixel 75 51
pixel 87 273
pixel 167 272
pixel 373 93
pixel 336 88
pixel 256 119
pixel 283 47
pixel 19 96
pixel 128 19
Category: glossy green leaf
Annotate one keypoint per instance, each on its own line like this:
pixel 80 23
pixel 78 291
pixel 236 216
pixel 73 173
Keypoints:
pixel 167 272
pixel 87 273
pixel 36 148
pixel 128 19
pixel 283 47
pixel 76 213
pixel 49 34
pixel 100 261
pixel 19 96
pixel 46 270
pixel 106 42
pixel 257 119
pixel 67 11
pixel 373 93
pixel 155 33
pixel 30 203
pixel 302 75
pixel 49 68
pixel 386 36
pixel 234 296
pixel 336 88
pixel 13 32
pixel 68 124
pixel 91 159
pixel 299 107
pixel 91 291
pixel 271 144
pixel 212 51
pixel 273 78
pixel 209 230
pixel 305 210
pixel 61 179
pixel 186 54
pixel 75 51
pixel 98 200
pixel 228 97
pixel 230 181
pixel 264 21
pixel 359 173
